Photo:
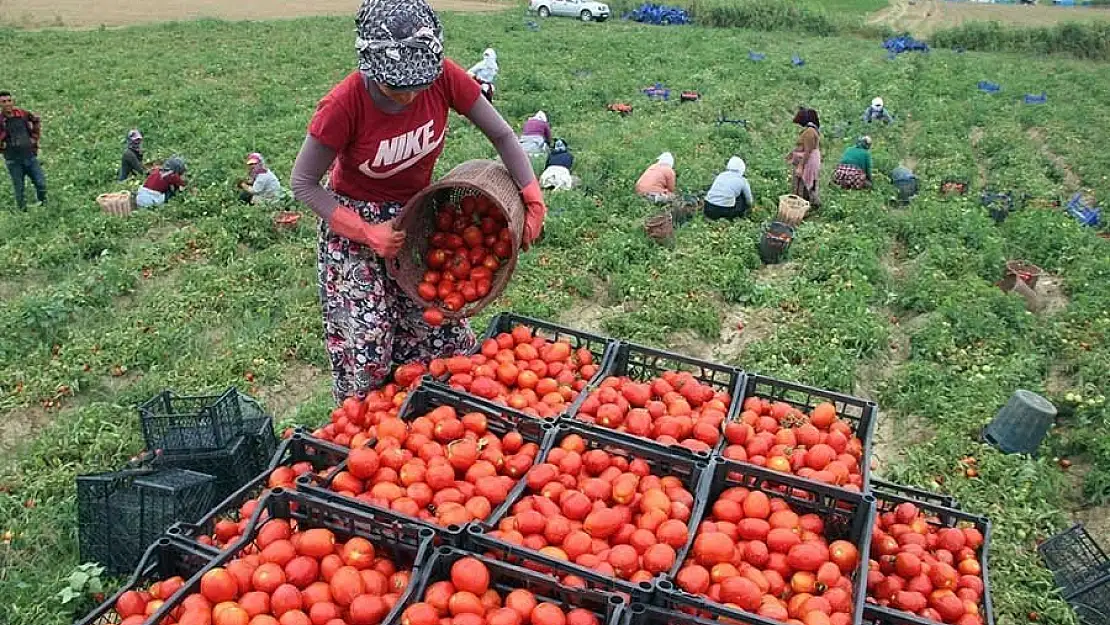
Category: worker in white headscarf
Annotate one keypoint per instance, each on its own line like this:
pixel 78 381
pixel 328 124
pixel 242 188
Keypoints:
pixel 485 72
pixel 730 196
pixel 657 183
pixel 535 138
pixel 877 113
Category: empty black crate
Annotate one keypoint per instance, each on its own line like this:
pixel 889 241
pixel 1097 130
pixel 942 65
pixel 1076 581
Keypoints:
pixel 609 608
pixel 1092 603
pixel 1075 559
pixel 175 423
pixel 232 466
pixel 120 514
pixel 917 494
pixel 165 558
pixel 644 364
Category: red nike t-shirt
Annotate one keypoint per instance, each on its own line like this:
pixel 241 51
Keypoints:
pixel 386 157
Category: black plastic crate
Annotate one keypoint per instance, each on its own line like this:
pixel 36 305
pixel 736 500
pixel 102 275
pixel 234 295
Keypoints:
pixel 258 428
pixel 939 517
pixel 917 494
pixel 861 414
pixel 691 471
pixel 504 578
pixel 1075 559
pixel 500 420
pixel 233 466
pixel 120 514
pixel 389 533
pixel 165 558
pixel 647 363
pixel 299 448
pixel 647 614
pixel 1092 602
pixel 175 423
pixel 847 516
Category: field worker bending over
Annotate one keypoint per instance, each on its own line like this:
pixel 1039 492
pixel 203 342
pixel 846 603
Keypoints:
pixel 162 184
pixel 657 183
pixel 854 170
pixel 731 194
pixel 535 138
pixel 806 157
pixel 485 72
pixel 261 185
pixel 877 113
pixel 384 127
pixel 132 160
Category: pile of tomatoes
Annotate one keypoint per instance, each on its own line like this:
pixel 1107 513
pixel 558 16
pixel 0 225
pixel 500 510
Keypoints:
pixel 471 242
pixel 467 598
pixel 674 409
pixel 523 371
pixel 443 461
pixel 757 554
pixel 819 446
pixel 227 531
pixel 352 422
pixel 919 566
pixel 602 511
pixel 289 577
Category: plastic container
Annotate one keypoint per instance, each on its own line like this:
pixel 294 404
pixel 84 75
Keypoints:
pixel 847 516
pixel 232 467
pixel 1092 603
pixel 501 420
pixel 120 514
pixel 299 448
pixel 166 557
pixel 774 242
pixel 860 413
pixel 643 364
pixel 488 179
pixel 938 517
pixel 1021 425
pixel 883 487
pixel 1075 560
pixel 175 423
pixel 504 577
pixel 390 534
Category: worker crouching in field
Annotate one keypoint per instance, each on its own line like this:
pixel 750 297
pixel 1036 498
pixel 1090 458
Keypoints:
pixel 730 196
pixel 131 163
pixel 162 184
pixel 805 159
pixel 877 113
pixel 384 127
pixel 657 183
pixel 854 170
pixel 485 72
pixel 261 185
pixel 535 139
pixel 557 175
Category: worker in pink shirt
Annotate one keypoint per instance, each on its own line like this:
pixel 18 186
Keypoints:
pixel 657 183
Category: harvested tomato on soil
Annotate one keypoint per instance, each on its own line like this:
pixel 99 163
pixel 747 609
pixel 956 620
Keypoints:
pixel 918 565
pixel 522 370
pixel 755 553
pixel 673 409
pixel 819 446
pixel 603 511
pixel 286 577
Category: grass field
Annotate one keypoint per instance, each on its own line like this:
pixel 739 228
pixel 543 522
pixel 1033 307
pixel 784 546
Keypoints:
pixel 99 313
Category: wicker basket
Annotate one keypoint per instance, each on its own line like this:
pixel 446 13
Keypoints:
pixel 417 219
pixel 1021 271
pixel 660 227
pixel 119 204
pixel 792 210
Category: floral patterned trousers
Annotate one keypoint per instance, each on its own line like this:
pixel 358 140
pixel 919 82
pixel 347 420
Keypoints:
pixel 369 322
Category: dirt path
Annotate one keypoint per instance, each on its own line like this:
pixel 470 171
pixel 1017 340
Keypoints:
pixel 923 17
pixel 94 13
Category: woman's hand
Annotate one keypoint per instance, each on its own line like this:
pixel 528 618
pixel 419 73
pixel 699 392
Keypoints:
pixel 534 212
pixel 384 240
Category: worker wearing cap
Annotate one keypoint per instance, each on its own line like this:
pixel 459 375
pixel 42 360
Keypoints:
pixel 261 185
pixel 877 113
pixel 384 127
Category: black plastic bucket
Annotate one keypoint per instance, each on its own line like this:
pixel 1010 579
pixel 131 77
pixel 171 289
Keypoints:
pixel 775 241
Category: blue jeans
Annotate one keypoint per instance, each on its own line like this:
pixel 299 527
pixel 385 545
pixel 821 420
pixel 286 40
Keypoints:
pixel 27 166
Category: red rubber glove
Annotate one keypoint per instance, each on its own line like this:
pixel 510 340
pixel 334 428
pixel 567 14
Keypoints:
pixel 534 212
pixel 382 238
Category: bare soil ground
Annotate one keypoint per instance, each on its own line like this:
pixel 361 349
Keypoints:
pixel 923 17
pixel 96 13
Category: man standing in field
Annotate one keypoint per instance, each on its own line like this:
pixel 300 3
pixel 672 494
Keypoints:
pixel 19 140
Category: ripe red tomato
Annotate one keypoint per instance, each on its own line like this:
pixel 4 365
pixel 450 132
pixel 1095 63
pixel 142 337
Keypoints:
pixel 437 258
pixel 426 291
pixel 454 301
pixel 433 317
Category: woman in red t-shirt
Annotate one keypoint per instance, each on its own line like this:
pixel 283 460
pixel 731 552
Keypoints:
pixel 383 127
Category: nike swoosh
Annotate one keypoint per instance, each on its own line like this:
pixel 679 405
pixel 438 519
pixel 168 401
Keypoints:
pixel 403 165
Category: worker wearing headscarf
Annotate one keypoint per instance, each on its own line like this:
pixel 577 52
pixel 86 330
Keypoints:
pixel 384 127
pixel 261 184
pixel 854 170
pixel 805 159
pixel 877 113
pixel 657 183
pixel 535 139
pixel 730 196
pixel 162 184
pixel 485 72
pixel 132 161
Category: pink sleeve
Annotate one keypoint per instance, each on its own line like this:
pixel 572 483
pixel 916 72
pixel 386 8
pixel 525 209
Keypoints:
pixel 671 180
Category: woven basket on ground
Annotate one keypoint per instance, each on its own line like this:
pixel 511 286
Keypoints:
pixel 1021 271
pixel 792 210
pixel 417 220
pixel 119 204
pixel 660 227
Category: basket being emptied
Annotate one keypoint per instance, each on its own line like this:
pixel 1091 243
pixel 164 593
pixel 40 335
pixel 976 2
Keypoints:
pixel 463 234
